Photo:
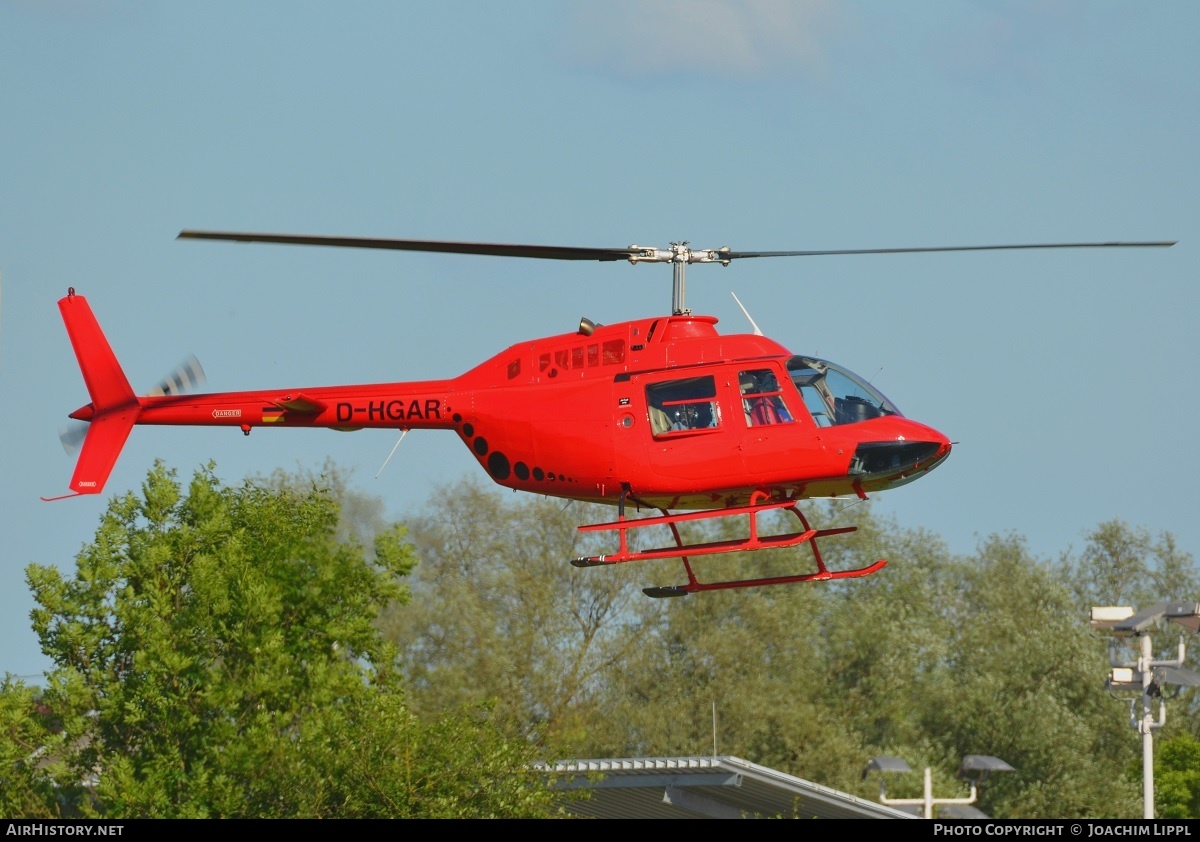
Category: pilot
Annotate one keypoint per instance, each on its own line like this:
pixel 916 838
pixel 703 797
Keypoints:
pixel 686 418
pixel 762 409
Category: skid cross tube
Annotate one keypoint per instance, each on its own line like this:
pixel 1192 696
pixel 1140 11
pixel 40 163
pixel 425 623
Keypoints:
pixel 754 541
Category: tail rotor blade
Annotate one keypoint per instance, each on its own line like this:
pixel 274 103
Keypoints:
pixel 188 376
pixel 72 436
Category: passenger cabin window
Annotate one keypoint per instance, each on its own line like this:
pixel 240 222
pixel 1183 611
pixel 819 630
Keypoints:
pixel 612 352
pixel 762 400
pixel 678 405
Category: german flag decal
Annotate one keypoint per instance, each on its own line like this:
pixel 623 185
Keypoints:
pixel 272 415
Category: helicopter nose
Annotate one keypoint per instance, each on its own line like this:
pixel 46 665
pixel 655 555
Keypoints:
pixel 919 450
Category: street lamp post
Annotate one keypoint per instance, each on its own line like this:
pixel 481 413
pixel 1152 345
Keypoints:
pixel 974 769
pixel 1146 676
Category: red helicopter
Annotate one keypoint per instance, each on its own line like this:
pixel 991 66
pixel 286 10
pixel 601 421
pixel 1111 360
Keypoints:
pixel 661 413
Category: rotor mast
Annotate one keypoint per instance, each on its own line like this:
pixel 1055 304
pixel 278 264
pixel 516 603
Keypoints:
pixel 679 256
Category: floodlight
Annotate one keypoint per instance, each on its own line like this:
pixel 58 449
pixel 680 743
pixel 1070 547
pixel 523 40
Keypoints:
pixel 1178 675
pixel 1124 678
pixel 1139 621
pixel 1106 617
pixel 976 767
pixel 885 764
pixel 1186 614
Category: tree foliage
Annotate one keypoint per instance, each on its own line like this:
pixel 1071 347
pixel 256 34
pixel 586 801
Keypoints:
pixel 217 655
pixel 275 649
pixel 935 657
pixel 500 615
pixel 1177 778
pixel 30 777
pixel 1125 565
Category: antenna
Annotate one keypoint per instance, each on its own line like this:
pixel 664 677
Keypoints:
pixel 403 433
pixel 757 332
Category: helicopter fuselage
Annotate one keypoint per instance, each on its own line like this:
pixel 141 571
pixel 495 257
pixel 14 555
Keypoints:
pixel 665 411
pixel 659 409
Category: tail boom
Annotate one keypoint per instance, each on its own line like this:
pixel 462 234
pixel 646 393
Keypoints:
pixel 115 408
pixel 415 405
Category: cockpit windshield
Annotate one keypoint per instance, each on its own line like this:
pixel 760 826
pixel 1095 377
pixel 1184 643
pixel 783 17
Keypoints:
pixel 834 395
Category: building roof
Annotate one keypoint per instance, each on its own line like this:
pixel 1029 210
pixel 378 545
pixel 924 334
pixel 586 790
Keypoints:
pixel 703 787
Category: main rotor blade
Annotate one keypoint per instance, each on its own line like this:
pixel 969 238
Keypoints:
pixel 602 254
pixel 738 254
pixel 492 249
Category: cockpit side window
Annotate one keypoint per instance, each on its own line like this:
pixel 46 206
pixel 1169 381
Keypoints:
pixel 686 404
pixel 836 396
pixel 762 400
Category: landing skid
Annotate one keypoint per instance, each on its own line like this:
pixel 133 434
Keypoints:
pixel 752 542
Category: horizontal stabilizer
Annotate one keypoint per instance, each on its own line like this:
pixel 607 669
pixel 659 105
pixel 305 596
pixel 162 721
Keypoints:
pixel 106 435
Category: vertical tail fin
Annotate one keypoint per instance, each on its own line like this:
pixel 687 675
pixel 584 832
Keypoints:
pixel 102 374
pixel 114 408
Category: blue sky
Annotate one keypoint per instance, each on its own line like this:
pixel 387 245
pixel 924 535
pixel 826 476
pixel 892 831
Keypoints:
pixel 1065 376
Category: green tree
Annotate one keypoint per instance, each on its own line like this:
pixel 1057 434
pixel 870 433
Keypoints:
pixel 500 616
pixel 1126 565
pixel 885 638
pixel 1023 680
pixel 217 654
pixel 585 656
pixel 1177 777
pixel 31 773
pixel 934 657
